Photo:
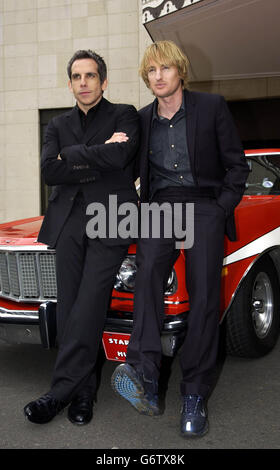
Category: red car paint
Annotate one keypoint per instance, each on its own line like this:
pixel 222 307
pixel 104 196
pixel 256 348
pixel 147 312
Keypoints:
pixel 258 231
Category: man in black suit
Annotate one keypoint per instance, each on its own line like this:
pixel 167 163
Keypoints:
pixel 88 155
pixel 190 153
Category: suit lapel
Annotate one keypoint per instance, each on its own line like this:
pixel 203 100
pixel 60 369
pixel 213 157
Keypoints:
pixel 146 117
pixel 191 118
pixel 74 123
pixel 146 128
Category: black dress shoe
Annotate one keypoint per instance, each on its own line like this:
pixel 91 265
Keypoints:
pixel 44 409
pixel 80 410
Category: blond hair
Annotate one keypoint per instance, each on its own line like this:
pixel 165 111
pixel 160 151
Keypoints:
pixel 167 53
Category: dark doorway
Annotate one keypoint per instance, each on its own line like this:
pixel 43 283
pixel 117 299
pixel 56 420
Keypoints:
pixel 258 122
pixel 45 116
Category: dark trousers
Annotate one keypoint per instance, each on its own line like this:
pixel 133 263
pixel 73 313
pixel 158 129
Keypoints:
pixel 86 270
pixel 203 263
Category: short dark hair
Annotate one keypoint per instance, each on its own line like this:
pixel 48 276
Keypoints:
pixel 83 54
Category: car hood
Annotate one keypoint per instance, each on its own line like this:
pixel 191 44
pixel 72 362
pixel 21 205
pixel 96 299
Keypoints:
pixel 20 232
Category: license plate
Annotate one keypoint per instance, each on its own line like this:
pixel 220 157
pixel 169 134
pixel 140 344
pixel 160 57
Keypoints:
pixel 115 345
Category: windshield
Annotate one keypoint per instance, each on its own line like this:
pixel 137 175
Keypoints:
pixel 264 176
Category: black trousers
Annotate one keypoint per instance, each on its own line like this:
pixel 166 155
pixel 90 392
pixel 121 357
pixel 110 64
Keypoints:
pixel 203 264
pixel 86 270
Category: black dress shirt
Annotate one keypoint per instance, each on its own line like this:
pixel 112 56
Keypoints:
pixel 87 119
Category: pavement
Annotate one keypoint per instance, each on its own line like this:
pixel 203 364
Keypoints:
pixel 244 411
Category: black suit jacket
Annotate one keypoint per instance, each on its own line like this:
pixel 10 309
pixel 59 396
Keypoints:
pixel 88 164
pixel 216 153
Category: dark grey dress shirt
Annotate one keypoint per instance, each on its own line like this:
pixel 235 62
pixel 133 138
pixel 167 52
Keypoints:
pixel 168 152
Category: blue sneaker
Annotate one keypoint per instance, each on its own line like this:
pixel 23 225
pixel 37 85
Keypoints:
pixel 194 421
pixel 127 383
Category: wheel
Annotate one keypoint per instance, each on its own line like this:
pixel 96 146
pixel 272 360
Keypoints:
pixel 252 324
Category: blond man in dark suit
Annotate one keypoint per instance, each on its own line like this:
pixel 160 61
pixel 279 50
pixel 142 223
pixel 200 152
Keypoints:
pixel 190 154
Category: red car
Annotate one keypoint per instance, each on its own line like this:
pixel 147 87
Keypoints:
pixel 250 293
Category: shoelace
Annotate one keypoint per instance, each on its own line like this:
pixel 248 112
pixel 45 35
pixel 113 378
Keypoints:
pixel 43 399
pixel 192 404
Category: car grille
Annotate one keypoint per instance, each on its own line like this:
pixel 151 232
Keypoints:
pixel 28 275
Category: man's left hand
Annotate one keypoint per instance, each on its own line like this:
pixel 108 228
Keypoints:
pixel 117 137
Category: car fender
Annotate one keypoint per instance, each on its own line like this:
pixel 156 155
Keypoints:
pixel 234 274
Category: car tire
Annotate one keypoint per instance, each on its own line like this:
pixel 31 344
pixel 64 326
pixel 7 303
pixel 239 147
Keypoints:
pixel 252 324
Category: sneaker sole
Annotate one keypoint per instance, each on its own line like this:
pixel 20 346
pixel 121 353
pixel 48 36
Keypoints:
pixel 128 387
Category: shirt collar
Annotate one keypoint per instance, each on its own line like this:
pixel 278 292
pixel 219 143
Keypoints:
pixel 90 112
pixel 155 115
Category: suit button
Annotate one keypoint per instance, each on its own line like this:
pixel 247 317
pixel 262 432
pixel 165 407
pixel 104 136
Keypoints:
pixel 72 198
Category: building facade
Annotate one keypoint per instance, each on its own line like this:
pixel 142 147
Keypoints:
pixel 37 38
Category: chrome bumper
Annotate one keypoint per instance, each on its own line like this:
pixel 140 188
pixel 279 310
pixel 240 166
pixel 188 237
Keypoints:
pixel 176 324
pixel 38 327
pixel 18 316
pixel 19 326
pixel 172 336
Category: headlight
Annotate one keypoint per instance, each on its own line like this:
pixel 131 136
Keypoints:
pixel 125 279
pixel 171 285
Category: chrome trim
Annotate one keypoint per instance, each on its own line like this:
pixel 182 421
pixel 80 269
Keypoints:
pixel 262 305
pixel 166 301
pixel 248 155
pixel 47 324
pixel 169 324
pixel 19 315
pixel 38 267
pixel 26 248
pixel 173 324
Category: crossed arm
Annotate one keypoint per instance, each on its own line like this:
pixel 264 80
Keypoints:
pixel 80 163
pixel 116 137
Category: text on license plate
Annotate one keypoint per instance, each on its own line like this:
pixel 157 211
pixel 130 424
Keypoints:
pixel 115 345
